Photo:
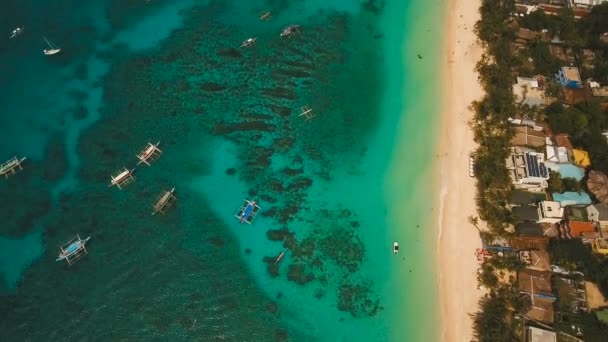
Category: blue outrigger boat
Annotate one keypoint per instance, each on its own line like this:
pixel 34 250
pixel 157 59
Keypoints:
pixel 247 212
pixel 73 250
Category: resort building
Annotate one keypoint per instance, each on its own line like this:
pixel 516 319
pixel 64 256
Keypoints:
pixel 522 243
pixel 528 92
pixel 585 3
pixel 528 136
pixel 539 335
pixel 579 229
pixel 550 212
pixel 569 77
pixel 537 285
pixel 535 260
pixel 527 169
pixel 557 154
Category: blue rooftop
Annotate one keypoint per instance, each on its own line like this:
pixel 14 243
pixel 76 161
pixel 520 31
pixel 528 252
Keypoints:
pixel 571 198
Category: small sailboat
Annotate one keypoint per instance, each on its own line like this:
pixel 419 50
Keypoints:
pixel 289 30
pixel 248 42
pixel 16 32
pixel 53 50
pixel 279 258
pixel 265 16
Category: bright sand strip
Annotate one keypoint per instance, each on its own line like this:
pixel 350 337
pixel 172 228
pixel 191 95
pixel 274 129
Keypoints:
pixel 458 239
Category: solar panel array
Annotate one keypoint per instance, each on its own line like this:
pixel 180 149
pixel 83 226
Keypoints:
pixel 535 169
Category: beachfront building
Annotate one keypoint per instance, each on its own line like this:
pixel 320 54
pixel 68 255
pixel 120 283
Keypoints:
pixel 557 154
pixel 527 135
pixel 537 285
pixel 522 243
pixel 527 169
pixel 534 334
pixel 550 212
pixel 535 260
pixel 582 229
pixel 528 92
pixel 569 77
pixel 586 3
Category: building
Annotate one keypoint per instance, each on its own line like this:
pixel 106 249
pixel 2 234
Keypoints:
pixel 527 169
pixel 550 212
pixel 528 92
pixel 521 243
pixel 527 136
pixel 539 335
pixel 563 140
pixel 569 77
pixel 535 260
pixel 579 229
pixel 598 213
pixel 537 285
pixel 586 3
pixel 557 154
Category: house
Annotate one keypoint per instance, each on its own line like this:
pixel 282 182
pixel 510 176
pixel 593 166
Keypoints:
pixel 529 242
pixel 556 154
pixel 535 260
pixel 569 77
pixel 527 136
pixel 527 91
pixel 563 140
pixel 529 228
pixel 598 213
pixel 520 197
pixel 537 285
pixel 586 3
pixel 539 335
pixel 578 229
pixel 550 212
pixel 571 198
pixel 525 213
pixel 527 169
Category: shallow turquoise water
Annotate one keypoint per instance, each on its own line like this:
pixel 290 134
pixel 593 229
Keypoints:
pixel 227 120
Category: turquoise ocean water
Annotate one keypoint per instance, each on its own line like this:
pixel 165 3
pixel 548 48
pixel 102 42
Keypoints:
pixel 335 191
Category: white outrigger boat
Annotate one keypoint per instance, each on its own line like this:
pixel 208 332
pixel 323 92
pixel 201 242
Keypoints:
pixel 289 30
pixel 73 250
pixel 248 42
pixel 247 212
pixel 53 50
pixel 16 32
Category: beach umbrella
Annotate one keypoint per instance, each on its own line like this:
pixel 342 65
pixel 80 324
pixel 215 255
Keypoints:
pixel 597 183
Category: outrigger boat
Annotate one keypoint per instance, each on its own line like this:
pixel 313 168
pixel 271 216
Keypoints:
pixel 248 42
pixel 265 16
pixel 73 250
pixel 289 30
pixel 395 247
pixel 16 32
pixel 247 212
pixel 279 258
pixel 53 50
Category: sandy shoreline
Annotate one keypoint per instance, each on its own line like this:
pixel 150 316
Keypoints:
pixel 458 239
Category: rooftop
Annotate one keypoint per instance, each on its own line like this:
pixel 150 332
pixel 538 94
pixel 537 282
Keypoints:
pixel 563 139
pixel 525 135
pixel 600 91
pixel 529 242
pixel 540 335
pixel 571 73
pixel 578 228
pixel 552 209
pixel 536 260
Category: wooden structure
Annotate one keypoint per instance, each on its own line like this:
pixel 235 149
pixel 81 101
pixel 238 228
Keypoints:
pixel 149 154
pixel 306 112
pixel 164 201
pixel 11 167
pixel 123 178
pixel 73 250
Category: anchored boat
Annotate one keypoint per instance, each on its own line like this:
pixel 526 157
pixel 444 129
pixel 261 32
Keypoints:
pixel 248 42
pixel 279 258
pixel 290 30
pixel 265 16
pixel 395 247
pixel 53 50
pixel 247 212
pixel 73 250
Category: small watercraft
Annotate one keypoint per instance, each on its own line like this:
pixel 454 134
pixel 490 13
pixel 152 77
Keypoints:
pixel 289 30
pixel 265 16
pixel 16 32
pixel 248 42
pixel 395 247
pixel 279 258
pixel 73 248
pixel 53 50
pixel 247 212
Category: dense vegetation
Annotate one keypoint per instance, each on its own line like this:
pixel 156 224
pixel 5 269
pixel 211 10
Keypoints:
pixel 584 122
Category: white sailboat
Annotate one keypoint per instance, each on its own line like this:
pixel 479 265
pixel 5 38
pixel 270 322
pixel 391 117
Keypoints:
pixel 53 50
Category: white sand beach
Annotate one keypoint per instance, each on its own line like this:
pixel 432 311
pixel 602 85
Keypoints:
pixel 458 239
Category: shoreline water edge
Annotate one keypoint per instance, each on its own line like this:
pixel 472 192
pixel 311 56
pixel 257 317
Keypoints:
pixel 458 238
